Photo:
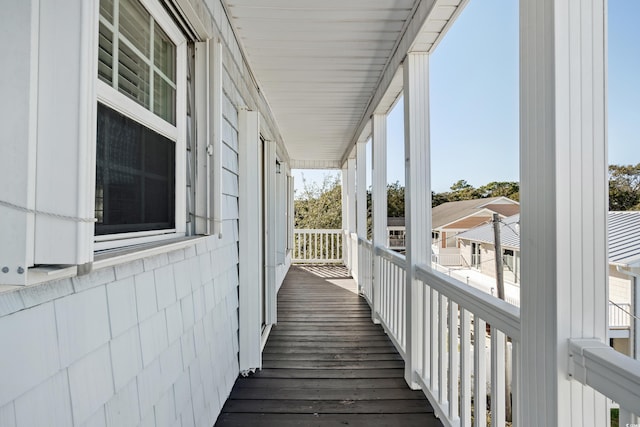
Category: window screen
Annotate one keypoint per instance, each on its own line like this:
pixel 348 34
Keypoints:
pixel 135 176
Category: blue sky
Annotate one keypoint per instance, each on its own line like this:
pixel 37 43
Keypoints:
pixel 474 97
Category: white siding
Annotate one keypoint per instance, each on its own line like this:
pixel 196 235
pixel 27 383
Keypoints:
pixel 123 360
pixel 151 341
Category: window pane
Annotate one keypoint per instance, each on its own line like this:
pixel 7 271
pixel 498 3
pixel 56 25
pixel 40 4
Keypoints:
pixel 135 23
pixel 164 54
pixel 164 99
pixel 135 176
pixel 106 10
pixel 105 54
pixel 133 75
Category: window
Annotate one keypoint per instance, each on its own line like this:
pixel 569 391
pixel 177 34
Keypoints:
pixel 141 115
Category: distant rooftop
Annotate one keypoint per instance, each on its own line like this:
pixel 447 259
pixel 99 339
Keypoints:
pixel 449 212
pixel 624 235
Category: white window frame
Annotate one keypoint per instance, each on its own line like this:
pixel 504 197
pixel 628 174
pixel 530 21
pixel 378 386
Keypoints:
pixel 119 102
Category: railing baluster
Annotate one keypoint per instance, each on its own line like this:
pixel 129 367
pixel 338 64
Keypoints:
pixel 497 378
pixel 515 384
pixel 434 339
pixel 454 358
pixel 442 357
pixel 426 327
pixel 465 368
pixel 479 372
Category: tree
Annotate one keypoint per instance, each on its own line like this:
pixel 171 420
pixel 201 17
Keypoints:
pixel 462 190
pixel 624 187
pixel 395 200
pixel 508 189
pixel 319 206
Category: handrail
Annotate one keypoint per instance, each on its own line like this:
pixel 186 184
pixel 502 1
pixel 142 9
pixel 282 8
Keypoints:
pixel 604 369
pixel 323 230
pixel 365 242
pixel 392 256
pixel 500 314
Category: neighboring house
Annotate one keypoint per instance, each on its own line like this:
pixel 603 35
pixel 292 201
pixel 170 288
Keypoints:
pixel 396 233
pixel 451 218
pixel 477 249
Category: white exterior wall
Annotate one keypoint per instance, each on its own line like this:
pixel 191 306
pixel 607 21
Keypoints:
pixel 150 341
pixel 619 286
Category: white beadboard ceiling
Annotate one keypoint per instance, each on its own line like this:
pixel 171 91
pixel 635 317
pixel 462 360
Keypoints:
pixel 319 64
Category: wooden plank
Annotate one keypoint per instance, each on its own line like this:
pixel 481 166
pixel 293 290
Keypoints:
pixel 320 383
pixel 351 357
pixel 296 348
pixel 329 406
pixel 329 373
pixel 293 394
pixel 320 364
pixel 352 420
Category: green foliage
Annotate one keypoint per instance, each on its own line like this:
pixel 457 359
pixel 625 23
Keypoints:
pixel 395 200
pixel 462 190
pixel 624 187
pixel 319 206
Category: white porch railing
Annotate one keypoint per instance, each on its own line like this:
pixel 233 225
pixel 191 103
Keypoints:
pixel 392 296
pixel 619 315
pixel 317 246
pixel 469 345
pixel 365 273
pixel 447 259
pixel 468 340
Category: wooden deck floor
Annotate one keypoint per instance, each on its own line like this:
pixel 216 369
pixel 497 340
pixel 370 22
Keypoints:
pixel 326 363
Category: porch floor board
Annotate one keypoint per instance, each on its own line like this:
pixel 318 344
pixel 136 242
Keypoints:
pixel 326 363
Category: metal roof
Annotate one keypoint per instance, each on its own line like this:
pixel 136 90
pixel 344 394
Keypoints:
pixel 624 235
pixel 509 233
pixel 326 66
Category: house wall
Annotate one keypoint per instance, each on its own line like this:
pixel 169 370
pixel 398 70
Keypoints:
pixel 143 339
pixel 619 286
pixel 151 341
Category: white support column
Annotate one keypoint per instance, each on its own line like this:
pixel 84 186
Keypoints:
pixel 250 216
pixel 271 212
pixel 417 198
pixel 563 158
pixel 361 205
pixel 351 213
pixel 345 216
pixel 291 211
pixel 361 189
pixel 378 200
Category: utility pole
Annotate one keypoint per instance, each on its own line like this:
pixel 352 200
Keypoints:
pixel 498 247
pixel 500 285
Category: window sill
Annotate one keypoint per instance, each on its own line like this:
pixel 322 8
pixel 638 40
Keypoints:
pixel 42 279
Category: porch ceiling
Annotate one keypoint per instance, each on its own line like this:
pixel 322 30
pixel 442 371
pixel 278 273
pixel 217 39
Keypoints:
pixel 320 64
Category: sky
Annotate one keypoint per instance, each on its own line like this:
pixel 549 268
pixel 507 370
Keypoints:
pixel 473 89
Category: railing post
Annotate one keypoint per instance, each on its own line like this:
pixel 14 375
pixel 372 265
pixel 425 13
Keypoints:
pixel 379 202
pixel 417 200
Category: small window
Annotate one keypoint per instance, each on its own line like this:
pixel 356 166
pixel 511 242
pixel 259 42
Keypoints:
pixel 140 131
